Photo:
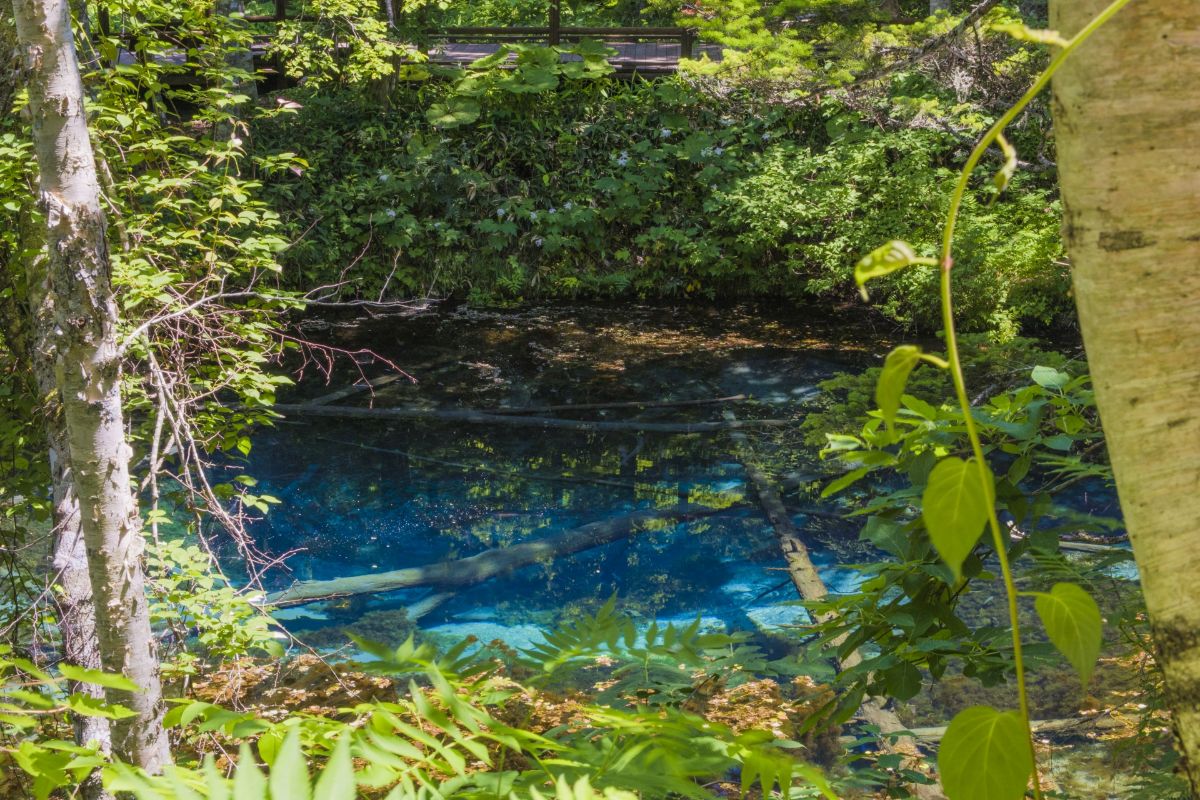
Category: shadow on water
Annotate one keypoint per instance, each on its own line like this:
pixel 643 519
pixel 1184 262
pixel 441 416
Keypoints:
pixel 364 496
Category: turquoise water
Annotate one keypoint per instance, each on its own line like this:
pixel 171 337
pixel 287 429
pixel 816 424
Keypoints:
pixel 363 496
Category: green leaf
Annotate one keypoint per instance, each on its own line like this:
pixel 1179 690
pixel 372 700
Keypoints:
pixel 985 756
pixel 98 678
pixel 955 509
pixel 885 260
pixel 454 112
pixel 248 782
pixel 1049 378
pixel 1073 622
pixel 337 781
pixel 87 706
pixel 903 681
pixel 494 60
pixel 894 377
pixel 289 773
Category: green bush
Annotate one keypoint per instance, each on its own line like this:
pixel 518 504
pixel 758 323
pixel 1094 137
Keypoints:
pixel 605 188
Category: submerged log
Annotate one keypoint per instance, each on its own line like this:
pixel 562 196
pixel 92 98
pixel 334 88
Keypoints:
pixel 736 398
pixel 489 564
pixel 809 586
pixel 476 417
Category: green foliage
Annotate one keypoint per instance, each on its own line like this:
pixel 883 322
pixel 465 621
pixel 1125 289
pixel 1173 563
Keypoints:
pixel 34 706
pixel 450 735
pixel 984 755
pixel 654 190
pixel 1073 623
pixel 954 508
pixel 190 596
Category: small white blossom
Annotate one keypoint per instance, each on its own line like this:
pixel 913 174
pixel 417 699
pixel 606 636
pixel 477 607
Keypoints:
pixel 391 213
pixel 235 141
pixel 532 215
pixel 539 241
pixel 665 132
pixel 383 177
pixel 718 151
pixel 567 206
pixel 766 137
pixel 552 210
pixel 500 212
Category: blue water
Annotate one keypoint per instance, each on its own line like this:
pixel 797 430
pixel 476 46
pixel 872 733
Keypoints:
pixel 366 496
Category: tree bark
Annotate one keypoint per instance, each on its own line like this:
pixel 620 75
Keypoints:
pixel 1127 122
pixel 68 558
pixel 88 374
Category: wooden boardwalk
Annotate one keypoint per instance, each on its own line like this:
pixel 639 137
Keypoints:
pixel 645 58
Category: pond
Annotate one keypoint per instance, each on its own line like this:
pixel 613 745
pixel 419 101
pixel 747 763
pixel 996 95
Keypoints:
pixel 364 496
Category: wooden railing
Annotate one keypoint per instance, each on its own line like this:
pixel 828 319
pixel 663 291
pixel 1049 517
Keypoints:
pixel 552 33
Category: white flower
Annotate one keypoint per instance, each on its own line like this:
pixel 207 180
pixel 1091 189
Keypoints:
pixel 235 141
pixel 718 151
pixel 500 212
pixel 383 177
pixel 567 206
pixel 539 241
pixel 532 215
pixel 766 137
pixel 552 210
pixel 665 132
pixel 391 213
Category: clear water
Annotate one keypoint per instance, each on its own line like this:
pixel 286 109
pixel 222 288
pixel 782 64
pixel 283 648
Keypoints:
pixel 365 496
pixel 362 496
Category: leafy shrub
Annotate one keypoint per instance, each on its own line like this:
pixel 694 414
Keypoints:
pixel 607 189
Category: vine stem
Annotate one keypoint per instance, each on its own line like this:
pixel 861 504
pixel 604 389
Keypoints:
pixel 993 134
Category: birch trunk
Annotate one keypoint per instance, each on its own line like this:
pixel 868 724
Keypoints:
pixel 68 558
pixel 88 374
pixel 1127 120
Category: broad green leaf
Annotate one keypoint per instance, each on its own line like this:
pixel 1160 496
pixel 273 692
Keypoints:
pixel 337 780
pixel 87 706
pixel 955 509
pixel 248 781
pixel 985 756
pixel 903 681
pixel 98 678
pixel 1049 378
pixel 894 377
pixel 885 260
pixel 1072 621
pixel 494 60
pixel 289 772
pixel 454 112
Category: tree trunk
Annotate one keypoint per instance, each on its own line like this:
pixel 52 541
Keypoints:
pixel 1127 121
pixel 88 374
pixel 68 558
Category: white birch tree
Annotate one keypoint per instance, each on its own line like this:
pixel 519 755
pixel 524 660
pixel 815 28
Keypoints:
pixel 1127 122
pixel 79 324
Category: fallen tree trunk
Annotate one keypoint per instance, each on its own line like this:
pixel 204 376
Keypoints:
pixel 478 568
pixel 737 398
pixel 809 586
pixel 476 417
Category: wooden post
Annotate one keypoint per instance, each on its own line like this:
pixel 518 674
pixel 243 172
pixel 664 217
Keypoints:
pixel 687 42
pixel 555 22
pixel 280 10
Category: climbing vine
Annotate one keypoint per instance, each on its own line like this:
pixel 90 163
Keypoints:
pixel 986 752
